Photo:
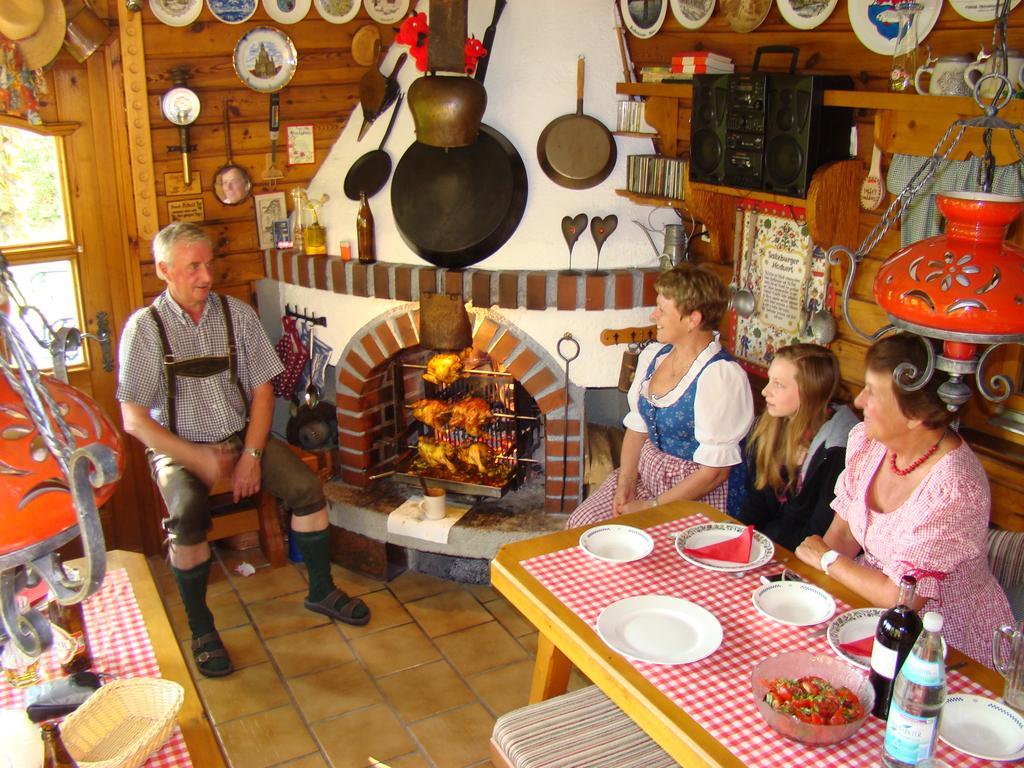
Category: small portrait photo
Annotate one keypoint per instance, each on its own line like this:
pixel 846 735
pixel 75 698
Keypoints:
pixel 270 207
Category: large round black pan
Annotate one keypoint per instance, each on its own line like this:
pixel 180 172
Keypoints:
pixel 576 151
pixel 455 207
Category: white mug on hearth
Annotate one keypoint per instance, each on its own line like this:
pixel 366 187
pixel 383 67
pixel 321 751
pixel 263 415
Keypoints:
pixel 947 76
pixel 434 505
pixel 986 63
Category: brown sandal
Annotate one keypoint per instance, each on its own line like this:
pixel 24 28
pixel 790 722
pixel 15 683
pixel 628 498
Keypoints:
pixel 328 606
pixel 205 649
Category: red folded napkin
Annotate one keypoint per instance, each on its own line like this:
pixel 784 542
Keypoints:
pixel 860 647
pixel 736 550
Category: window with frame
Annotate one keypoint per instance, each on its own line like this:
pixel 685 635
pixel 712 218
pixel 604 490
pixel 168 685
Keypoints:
pixel 37 238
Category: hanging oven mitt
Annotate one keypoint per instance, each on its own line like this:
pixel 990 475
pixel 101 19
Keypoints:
pixel 735 550
pixel 293 357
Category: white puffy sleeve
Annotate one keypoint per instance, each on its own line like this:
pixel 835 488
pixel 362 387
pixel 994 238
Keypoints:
pixel 723 413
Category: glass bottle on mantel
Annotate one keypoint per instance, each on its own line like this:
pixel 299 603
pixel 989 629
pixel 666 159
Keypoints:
pixel 364 232
pixel 896 634
pixel 71 619
pixel 55 754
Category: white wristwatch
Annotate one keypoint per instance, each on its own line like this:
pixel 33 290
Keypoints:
pixel 828 558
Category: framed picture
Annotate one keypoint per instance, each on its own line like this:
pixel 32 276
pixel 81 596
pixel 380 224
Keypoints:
pixel 270 207
pixel 282 234
pixel 643 18
pixel 300 145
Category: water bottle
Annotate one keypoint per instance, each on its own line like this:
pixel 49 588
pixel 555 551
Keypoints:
pixel 895 635
pixel 917 700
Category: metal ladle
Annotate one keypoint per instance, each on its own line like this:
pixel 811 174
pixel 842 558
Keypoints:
pixel 820 323
pixel 312 396
pixel 743 300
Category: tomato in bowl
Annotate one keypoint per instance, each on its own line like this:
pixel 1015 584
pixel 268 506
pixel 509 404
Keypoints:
pixel 812 698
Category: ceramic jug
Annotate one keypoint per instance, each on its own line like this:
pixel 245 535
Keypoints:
pixel 947 76
pixel 1010 667
pixel 985 63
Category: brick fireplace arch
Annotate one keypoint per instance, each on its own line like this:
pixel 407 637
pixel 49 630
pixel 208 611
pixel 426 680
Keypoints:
pixel 362 407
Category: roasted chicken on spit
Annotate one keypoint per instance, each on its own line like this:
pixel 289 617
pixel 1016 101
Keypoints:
pixel 443 369
pixel 433 413
pixel 436 454
pixel 470 414
pixel 476 455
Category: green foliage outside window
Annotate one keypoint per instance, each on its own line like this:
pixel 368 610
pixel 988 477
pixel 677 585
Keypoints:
pixel 31 195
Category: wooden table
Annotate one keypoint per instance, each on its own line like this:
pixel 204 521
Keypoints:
pixel 195 725
pixel 565 640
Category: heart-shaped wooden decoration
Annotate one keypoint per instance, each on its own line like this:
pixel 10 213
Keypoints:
pixel 601 229
pixel 572 228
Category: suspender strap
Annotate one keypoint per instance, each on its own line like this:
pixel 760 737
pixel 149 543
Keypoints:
pixel 229 326
pixel 170 379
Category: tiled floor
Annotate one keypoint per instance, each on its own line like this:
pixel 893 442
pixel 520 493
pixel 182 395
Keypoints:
pixel 419 686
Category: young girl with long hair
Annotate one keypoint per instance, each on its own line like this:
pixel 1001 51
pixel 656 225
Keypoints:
pixel 797 449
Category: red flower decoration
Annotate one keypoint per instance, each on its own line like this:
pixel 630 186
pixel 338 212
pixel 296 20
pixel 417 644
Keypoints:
pixel 415 31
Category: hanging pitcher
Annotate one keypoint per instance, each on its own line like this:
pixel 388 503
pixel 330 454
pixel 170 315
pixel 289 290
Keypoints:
pixel 1011 667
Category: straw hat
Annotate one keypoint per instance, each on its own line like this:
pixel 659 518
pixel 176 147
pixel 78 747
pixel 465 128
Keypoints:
pixel 42 47
pixel 20 18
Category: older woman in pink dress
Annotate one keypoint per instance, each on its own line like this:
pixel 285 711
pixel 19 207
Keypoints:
pixel 913 499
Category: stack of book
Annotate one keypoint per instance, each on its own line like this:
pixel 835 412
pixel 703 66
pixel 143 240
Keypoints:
pixel 655 74
pixel 631 117
pixel 692 63
pixel 655 175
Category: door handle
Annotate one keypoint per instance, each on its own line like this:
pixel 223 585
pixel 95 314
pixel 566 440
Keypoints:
pixel 67 341
pixel 105 339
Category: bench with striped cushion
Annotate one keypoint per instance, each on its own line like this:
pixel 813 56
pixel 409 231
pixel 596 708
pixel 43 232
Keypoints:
pixel 1006 557
pixel 582 729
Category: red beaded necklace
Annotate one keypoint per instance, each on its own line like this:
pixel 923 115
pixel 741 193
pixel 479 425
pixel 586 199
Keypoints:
pixel 914 465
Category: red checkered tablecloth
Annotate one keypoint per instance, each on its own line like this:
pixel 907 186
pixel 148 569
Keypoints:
pixel 715 691
pixel 120 648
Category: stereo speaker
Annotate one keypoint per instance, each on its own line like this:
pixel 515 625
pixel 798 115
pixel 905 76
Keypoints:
pixel 800 133
pixel 708 128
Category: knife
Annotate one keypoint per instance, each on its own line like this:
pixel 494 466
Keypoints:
pixel 391 90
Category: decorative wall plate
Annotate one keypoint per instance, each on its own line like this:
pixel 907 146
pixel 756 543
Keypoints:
pixel 804 14
pixel 876 26
pixel 387 11
pixel 176 13
pixel 232 11
pixel 745 15
pixel 265 59
pixel 979 10
pixel 337 11
pixel 692 14
pixel 643 18
pixel 287 11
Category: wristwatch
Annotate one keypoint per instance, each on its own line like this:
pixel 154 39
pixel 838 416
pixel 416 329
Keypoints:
pixel 828 558
pixel 256 453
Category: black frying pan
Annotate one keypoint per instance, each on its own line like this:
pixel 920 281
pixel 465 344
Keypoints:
pixel 370 172
pixel 576 151
pixel 455 207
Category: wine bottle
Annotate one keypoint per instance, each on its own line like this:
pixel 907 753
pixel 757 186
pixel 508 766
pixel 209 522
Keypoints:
pixel 895 635
pixel 365 235
pixel 55 754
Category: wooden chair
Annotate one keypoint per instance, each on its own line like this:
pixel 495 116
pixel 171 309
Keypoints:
pixel 255 513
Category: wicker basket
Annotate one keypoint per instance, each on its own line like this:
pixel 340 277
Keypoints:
pixel 123 723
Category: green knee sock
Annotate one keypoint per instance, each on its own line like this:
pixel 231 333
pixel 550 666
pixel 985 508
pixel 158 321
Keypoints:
pixel 192 588
pixel 315 548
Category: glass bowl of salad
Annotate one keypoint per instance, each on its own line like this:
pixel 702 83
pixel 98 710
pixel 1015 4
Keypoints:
pixel 812 698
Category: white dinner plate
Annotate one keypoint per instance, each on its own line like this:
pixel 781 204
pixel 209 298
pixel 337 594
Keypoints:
pixel 761 548
pixel 795 603
pixel 852 626
pixel 982 727
pixel 660 629
pixel 617 543
pixel 176 13
pixel 876 27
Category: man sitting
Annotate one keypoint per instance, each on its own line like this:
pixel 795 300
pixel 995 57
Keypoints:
pixel 195 388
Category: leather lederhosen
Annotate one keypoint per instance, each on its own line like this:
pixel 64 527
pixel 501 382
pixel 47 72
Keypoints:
pixel 197 367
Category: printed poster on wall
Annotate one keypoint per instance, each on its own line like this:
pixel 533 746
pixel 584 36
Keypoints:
pixel 787 275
